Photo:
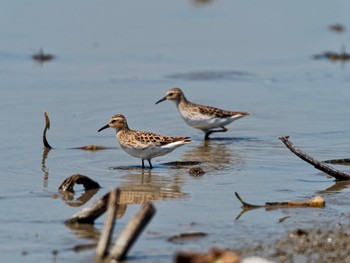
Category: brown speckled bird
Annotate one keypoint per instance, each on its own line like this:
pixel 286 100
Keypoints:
pixel 205 118
pixel 140 144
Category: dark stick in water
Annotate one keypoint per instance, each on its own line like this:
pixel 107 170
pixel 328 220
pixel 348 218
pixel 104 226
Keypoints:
pixel 47 126
pixel 337 174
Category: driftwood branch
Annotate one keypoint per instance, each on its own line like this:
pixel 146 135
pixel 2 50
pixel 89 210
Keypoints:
pixel 103 244
pixel 317 201
pixel 132 231
pixel 89 214
pixel 337 174
pixel 88 183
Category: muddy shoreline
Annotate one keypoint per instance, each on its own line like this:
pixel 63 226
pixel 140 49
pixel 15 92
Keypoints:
pixel 324 242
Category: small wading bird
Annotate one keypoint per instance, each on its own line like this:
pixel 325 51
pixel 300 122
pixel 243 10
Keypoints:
pixel 205 118
pixel 140 144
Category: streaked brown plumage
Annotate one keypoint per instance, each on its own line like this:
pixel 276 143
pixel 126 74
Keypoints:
pixel 140 144
pixel 205 118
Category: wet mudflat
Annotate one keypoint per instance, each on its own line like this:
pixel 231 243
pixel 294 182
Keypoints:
pixel 118 58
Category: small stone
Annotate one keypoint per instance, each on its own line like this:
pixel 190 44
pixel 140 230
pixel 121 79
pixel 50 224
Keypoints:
pixel 196 171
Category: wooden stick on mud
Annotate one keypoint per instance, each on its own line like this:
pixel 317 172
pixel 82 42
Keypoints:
pixel 106 236
pixel 337 174
pixel 132 231
pixel 47 126
pixel 89 214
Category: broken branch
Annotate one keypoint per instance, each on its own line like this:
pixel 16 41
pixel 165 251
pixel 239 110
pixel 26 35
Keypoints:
pixel 132 231
pixel 89 214
pixel 317 201
pixel 103 244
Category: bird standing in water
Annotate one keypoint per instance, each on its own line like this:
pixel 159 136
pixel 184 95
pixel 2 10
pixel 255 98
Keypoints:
pixel 205 118
pixel 140 144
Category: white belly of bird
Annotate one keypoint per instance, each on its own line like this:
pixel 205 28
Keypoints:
pixel 151 151
pixel 204 122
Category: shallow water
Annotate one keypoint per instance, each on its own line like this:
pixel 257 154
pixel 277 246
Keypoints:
pixel 121 57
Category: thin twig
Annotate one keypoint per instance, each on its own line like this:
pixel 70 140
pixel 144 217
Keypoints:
pixel 245 204
pixel 47 126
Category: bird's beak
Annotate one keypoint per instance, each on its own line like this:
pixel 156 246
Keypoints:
pixel 163 99
pixel 104 127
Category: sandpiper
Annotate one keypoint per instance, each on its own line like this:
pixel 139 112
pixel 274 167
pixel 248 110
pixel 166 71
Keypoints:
pixel 140 144
pixel 205 118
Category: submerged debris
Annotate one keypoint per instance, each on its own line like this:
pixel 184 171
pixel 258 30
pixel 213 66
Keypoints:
pixel 41 57
pixel 337 174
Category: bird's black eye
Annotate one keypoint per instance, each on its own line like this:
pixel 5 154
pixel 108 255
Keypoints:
pixel 171 94
pixel 113 121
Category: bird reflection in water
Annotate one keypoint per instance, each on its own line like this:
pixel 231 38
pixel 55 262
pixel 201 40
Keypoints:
pixel 149 186
pixel 214 154
pixel 43 166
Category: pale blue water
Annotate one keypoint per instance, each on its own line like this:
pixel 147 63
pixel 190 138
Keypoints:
pixel 121 57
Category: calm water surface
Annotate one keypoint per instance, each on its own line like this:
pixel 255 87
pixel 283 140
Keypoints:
pixel 121 57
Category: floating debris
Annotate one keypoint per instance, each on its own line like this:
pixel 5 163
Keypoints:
pixel 337 174
pixel 186 237
pixel 196 171
pixel 93 148
pixel 334 56
pixel 317 201
pixel 41 57
pixel 337 28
